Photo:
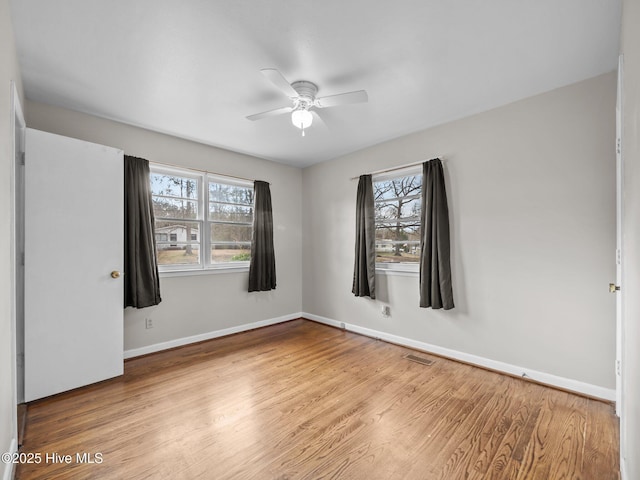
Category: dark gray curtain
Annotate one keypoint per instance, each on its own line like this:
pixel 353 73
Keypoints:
pixel 364 269
pixel 262 270
pixel 141 281
pixel 435 268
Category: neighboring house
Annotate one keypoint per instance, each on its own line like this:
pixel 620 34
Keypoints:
pixel 177 234
pixel 384 247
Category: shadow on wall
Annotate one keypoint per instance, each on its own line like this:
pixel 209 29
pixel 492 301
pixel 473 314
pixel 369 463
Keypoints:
pixel 382 289
pixel 457 270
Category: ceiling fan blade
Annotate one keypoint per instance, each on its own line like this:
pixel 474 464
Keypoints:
pixel 359 96
pixel 318 121
pixel 279 81
pixel 270 113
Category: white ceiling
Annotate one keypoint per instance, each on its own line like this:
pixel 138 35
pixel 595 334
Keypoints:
pixel 191 68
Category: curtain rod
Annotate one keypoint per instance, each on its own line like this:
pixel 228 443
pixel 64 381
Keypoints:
pixel 204 171
pixel 400 167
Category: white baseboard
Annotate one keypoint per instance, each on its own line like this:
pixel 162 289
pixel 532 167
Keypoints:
pixel 8 467
pixel 541 377
pixel 178 342
pixel 623 469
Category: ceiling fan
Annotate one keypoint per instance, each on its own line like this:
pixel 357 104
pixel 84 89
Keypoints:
pixel 303 96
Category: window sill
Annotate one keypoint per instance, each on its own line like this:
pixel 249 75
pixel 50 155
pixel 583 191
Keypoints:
pixel 398 270
pixel 204 271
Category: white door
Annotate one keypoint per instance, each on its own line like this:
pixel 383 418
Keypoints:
pixel 73 241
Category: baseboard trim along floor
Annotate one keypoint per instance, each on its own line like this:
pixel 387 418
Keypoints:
pixel 178 342
pixel 569 384
pixel 544 378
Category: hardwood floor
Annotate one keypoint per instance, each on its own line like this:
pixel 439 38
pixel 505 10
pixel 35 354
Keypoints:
pixel 22 421
pixel 301 400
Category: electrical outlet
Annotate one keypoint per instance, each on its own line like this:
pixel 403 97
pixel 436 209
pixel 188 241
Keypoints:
pixel 386 311
pixel 148 323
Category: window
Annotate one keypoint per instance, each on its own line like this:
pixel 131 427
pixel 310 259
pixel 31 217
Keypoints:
pixel 202 221
pixel 397 198
pixel 231 221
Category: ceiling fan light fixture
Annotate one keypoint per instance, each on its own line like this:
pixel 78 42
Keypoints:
pixel 302 119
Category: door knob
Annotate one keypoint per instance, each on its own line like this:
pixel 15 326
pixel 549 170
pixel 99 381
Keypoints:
pixel 115 274
pixel 613 288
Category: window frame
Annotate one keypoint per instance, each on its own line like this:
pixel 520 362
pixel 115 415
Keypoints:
pixel 399 268
pixel 204 265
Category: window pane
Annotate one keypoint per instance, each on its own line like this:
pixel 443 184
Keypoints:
pixel 219 192
pixel 398 232
pixel 174 186
pixel 178 255
pixel 407 252
pixel 229 233
pixel 398 243
pixel 398 208
pixel 397 187
pixel 231 253
pixel 164 207
pixel 177 231
pixel 178 243
pixel 230 213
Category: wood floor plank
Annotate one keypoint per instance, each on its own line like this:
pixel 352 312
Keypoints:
pixel 300 400
pixel 547 436
pixel 483 436
pixel 507 459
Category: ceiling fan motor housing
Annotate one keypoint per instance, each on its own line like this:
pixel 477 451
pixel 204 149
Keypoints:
pixel 306 93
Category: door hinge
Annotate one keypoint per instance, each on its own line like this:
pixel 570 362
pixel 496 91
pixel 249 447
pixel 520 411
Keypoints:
pixel 22 158
pixel 618 368
pixel 618 149
pixel 618 256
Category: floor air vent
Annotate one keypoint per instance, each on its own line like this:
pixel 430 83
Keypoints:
pixel 417 359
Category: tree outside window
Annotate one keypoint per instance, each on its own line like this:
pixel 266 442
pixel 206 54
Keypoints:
pixel 397 215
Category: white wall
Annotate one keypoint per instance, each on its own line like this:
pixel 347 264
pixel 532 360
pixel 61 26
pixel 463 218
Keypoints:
pixel 8 71
pixel 197 305
pixel 631 239
pixel 531 190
